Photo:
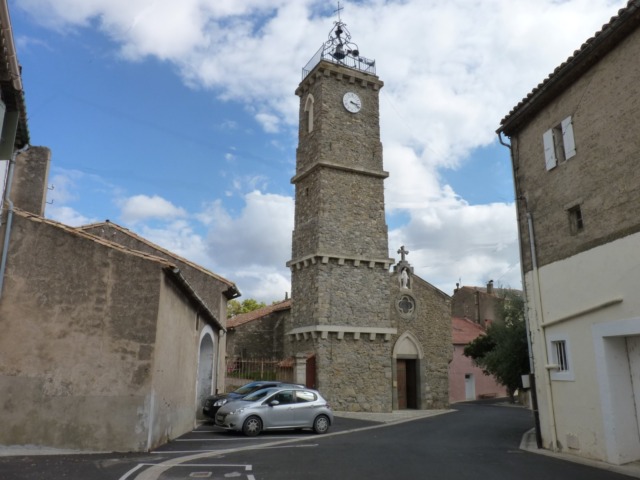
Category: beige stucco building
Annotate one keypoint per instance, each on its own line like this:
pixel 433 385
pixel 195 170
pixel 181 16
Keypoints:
pixel 575 148
pixel 109 343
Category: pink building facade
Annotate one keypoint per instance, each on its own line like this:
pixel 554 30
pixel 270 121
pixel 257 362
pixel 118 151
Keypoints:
pixel 466 381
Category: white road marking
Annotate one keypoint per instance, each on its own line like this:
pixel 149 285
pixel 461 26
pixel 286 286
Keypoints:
pixel 167 466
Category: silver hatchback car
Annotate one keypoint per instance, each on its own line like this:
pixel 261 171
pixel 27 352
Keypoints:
pixel 276 409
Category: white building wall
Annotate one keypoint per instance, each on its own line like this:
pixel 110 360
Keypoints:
pixel 590 300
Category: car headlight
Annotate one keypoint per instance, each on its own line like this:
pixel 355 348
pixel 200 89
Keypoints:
pixel 220 402
pixel 237 411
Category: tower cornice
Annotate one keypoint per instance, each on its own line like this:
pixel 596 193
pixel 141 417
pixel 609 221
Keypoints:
pixel 340 73
pixel 325 258
pixel 335 166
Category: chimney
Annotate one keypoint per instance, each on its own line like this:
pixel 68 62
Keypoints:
pixel 490 287
pixel 30 180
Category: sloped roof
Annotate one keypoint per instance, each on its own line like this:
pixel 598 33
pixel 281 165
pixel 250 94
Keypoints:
pixel 10 77
pixel 589 53
pixel 129 233
pixel 168 267
pixel 465 331
pixel 243 318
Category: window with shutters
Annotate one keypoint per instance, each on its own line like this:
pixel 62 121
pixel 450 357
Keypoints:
pixel 559 143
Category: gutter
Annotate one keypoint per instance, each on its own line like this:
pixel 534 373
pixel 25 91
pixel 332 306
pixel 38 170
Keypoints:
pixel 9 223
pixel 12 58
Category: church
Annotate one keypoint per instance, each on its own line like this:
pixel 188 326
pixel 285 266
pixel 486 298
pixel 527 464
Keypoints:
pixel 375 338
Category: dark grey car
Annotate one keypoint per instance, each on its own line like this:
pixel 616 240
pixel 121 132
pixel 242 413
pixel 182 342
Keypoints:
pixel 214 402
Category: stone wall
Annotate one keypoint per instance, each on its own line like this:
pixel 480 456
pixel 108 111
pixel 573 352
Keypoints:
pixel 210 287
pixel 430 324
pixel 30 177
pixel 354 375
pixel 77 344
pixel 261 338
pixel 602 178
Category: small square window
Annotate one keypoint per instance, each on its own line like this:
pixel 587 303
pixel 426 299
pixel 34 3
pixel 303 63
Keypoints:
pixel 560 365
pixel 560 355
pixel 576 222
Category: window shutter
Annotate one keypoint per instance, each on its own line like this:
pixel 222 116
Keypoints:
pixel 549 151
pixel 568 138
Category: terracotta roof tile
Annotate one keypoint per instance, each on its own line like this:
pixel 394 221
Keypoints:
pixel 611 33
pixel 464 331
pixel 258 314
pixel 128 232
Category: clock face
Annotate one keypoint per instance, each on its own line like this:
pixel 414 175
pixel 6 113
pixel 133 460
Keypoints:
pixel 352 102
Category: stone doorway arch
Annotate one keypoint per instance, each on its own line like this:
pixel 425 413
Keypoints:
pixel 206 369
pixel 407 365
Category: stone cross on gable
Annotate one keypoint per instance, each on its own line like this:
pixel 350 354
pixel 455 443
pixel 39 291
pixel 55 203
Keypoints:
pixel 403 253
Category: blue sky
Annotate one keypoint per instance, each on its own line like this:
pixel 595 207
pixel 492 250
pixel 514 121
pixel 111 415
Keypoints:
pixel 178 120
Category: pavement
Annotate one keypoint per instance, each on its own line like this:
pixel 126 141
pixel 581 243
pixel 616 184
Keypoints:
pixel 528 442
pixel 397 416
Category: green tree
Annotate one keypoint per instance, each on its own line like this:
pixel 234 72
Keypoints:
pixel 234 307
pixel 503 351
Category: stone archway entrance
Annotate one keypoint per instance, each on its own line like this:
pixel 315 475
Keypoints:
pixel 407 361
pixel 205 371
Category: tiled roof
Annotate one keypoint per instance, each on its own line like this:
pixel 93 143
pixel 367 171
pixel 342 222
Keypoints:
pixel 590 52
pixel 154 246
pixel 464 331
pixel 10 77
pixel 166 265
pixel 80 233
pixel 258 314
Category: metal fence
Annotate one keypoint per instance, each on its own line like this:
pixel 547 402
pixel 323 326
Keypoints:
pixel 363 64
pixel 245 370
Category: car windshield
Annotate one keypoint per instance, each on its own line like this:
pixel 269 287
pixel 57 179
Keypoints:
pixel 248 388
pixel 258 395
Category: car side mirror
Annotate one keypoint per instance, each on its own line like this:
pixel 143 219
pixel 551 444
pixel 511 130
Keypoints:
pixel 273 403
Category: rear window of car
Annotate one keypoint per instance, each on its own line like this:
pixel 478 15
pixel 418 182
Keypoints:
pixel 305 396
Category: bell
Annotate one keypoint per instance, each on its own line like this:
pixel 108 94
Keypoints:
pixel 339 52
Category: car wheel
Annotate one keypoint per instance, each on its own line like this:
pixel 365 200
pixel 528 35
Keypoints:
pixel 252 426
pixel 321 424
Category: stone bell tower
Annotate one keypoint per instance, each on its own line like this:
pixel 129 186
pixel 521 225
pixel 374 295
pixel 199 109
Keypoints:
pixel 340 259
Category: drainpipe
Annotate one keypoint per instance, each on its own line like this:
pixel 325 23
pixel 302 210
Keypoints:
pixel 538 300
pixel 532 375
pixel 7 199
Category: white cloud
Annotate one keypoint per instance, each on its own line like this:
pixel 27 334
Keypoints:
pixel 179 237
pixel 260 236
pixel 142 207
pixel 451 69
pixel 67 215
pixel 269 122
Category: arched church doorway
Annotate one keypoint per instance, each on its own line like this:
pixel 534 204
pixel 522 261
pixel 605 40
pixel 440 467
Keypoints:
pixel 205 370
pixel 407 355
pixel 407 383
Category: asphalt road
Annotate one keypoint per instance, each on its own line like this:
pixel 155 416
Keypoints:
pixel 477 441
